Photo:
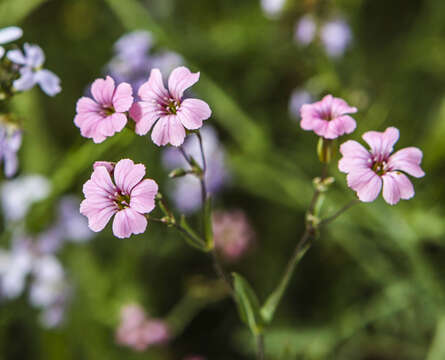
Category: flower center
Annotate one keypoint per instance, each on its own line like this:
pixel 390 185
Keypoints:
pixel 122 201
pixel 172 107
pixel 380 167
pixel 108 110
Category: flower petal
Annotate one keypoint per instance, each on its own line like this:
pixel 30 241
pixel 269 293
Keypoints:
pixel 26 81
pixel 123 97
pixel 382 143
pixel 154 88
pixel 34 54
pixel 102 180
pixel 192 112
pixel 396 186
pixel 342 125
pixel 103 90
pixel 97 217
pixel 366 183
pixel 181 79
pixel 355 156
pixel 112 124
pixel 85 105
pixel 127 222
pixel 127 174
pixel 143 195
pixel 407 160
pixel 10 33
pixel 144 114
pixel 48 81
pixel 16 56
pixel 168 130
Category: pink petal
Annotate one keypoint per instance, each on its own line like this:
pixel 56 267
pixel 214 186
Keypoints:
pixel 340 107
pixel 103 91
pixel 394 185
pixel 154 88
pixel 85 105
pixel 127 175
pixel 168 130
pixel 355 156
pixel 366 183
pixel 407 160
pixel 341 125
pixel 180 80
pixel 144 115
pixel 142 196
pixel 127 222
pixel 382 143
pixel 123 97
pixel 107 164
pixel 97 217
pixel 102 180
pixel 192 112
pixel 112 124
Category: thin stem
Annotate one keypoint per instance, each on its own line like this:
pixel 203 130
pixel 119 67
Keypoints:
pixel 202 177
pixel 219 269
pixel 184 154
pixel 339 212
pixel 260 347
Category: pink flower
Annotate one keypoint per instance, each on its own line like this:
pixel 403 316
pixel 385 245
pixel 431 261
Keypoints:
pixel 328 118
pixel 139 332
pixel 167 108
pixel 367 169
pixel 105 115
pixel 129 197
pixel 232 233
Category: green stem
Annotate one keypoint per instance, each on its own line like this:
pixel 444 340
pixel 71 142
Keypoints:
pixel 260 347
pixel 339 212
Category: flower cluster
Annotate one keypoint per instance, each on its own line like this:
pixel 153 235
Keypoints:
pixel 368 171
pixel 139 332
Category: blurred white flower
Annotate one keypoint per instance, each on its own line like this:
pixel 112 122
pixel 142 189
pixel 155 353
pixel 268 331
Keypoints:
pixel 272 8
pixel 336 35
pixel 19 194
pixel 305 30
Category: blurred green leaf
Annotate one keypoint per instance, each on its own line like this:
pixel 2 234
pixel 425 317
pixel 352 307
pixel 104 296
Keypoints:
pixel 12 12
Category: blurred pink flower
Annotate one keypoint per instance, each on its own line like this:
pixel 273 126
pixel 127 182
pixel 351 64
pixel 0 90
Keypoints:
pixel 232 233
pixel 367 169
pixel 167 108
pixel 105 115
pixel 139 332
pixel 328 118
pixel 129 197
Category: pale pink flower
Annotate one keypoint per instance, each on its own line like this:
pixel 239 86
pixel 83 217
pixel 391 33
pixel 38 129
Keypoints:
pixel 232 233
pixel 139 332
pixel 166 109
pixel 368 169
pixel 105 114
pixel 128 197
pixel 328 118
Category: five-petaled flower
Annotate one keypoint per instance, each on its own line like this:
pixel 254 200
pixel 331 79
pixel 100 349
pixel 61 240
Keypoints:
pixel 128 197
pixel 106 114
pixel 31 72
pixel 172 113
pixel 328 118
pixel 368 169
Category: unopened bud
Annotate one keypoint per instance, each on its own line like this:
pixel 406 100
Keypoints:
pixel 326 150
pixel 177 173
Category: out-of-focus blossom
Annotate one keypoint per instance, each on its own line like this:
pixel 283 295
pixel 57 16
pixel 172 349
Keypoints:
pixel 232 233
pixel 31 72
pixel 139 332
pixel 272 8
pixel 10 142
pixel 15 265
pixel 186 190
pixel 19 194
pixel 305 30
pixel 328 118
pixel 298 98
pixel 129 198
pixel 368 170
pixel 132 61
pixel 106 114
pixel 7 35
pixel 336 36
pixel 166 109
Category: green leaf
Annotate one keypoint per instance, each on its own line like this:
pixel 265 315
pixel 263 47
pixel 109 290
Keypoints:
pixel 190 236
pixel 208 225
pixel 248 304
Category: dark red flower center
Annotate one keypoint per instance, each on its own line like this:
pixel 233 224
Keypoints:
pixel 122 201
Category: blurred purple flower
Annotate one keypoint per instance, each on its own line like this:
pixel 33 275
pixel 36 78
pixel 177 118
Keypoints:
pixel 186 190
pixel 336 35
pixel 7 35
pixel 139 332
pixel 10 142
pixel 232 233
pixel 298 98
pixel 19 194
pixel 134 46
pixel 73 225
pixel 31 62
pixel 305 30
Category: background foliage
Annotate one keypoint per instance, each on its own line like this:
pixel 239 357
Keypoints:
pixel 371 288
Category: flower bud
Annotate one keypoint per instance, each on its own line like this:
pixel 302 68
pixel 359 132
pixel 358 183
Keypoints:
pixel 177 173
pixel 325 150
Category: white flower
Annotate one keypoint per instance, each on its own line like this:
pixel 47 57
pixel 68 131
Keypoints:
pixel 7 35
